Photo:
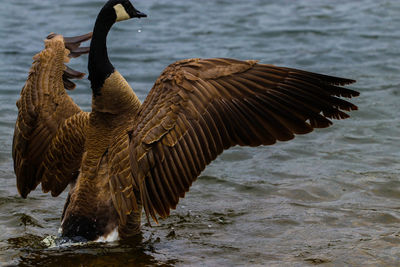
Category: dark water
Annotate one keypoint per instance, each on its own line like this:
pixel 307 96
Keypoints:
pixel 331 197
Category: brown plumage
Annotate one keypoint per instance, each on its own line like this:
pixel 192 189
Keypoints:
pixel 43 108
pixel 199 107
pixel 125 155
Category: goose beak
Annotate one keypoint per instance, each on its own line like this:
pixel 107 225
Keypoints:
pixel 139 14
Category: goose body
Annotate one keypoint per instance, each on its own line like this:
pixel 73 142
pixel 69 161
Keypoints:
pixel 124 156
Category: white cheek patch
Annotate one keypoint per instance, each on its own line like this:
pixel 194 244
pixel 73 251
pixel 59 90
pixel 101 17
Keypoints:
pixel 121 12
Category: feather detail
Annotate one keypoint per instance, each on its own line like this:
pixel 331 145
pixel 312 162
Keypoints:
pixel 199 107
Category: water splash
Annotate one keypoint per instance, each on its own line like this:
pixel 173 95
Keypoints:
pixel 111 237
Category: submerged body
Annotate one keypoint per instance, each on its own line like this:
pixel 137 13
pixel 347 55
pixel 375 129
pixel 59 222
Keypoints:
pixel 124 156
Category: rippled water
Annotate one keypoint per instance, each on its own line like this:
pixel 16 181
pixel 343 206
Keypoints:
pixel 330 197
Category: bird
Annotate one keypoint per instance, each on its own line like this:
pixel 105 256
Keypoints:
pixel 125 156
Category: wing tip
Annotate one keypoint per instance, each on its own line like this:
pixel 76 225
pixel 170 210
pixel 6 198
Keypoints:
pixel 23 191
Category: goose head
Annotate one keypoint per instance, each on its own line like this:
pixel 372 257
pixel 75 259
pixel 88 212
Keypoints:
pixel 119 10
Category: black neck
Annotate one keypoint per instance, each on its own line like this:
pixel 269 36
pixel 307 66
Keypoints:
pixel 100 67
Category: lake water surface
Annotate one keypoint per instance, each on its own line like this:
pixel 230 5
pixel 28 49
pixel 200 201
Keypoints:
pixel 331 197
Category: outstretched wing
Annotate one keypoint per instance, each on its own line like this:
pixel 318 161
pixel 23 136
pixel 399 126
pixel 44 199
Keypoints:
pixel 44 107
pixel 199 107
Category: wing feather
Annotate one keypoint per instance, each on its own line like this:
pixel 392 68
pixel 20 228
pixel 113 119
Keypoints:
pixel 199 107
pixel 43 107
pixel 63 158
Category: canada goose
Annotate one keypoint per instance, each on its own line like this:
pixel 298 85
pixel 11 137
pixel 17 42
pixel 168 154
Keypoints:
pixel 124 156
